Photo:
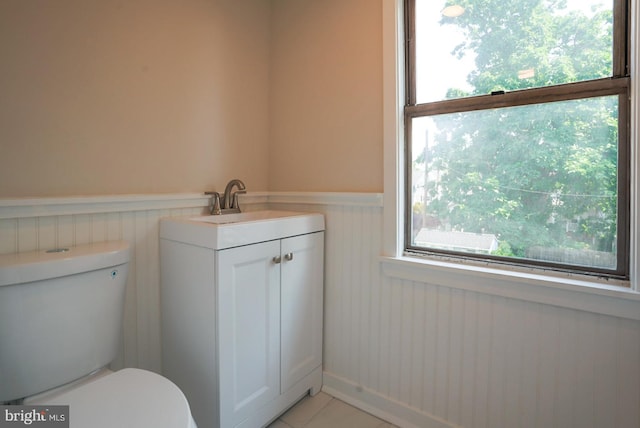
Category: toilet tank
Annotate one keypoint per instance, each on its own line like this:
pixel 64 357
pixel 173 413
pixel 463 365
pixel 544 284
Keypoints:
pixel 60 315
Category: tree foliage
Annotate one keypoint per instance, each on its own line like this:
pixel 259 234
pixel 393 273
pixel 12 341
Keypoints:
pixel 538 175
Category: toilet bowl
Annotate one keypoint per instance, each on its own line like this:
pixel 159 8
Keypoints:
pixel 126 398
pixel 60 325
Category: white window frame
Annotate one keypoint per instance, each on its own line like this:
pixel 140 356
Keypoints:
pixel 620 298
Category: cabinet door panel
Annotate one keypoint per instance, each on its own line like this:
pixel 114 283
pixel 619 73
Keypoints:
pixel 249 329
pixel 301 311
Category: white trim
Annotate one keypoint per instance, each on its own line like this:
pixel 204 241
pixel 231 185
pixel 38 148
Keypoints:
pixel 372 402
pixel 393 93
pixel 326 198
pixel 577 294
pixel 41 207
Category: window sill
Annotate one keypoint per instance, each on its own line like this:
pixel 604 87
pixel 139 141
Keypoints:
pixel 579 294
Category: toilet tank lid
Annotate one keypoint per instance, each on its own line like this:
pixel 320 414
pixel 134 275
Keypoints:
pixel 38 265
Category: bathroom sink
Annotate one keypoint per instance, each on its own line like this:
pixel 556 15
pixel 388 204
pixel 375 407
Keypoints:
pixel 219 232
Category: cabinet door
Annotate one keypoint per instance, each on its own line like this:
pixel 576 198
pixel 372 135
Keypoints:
pixel 248 329
pixel 301 311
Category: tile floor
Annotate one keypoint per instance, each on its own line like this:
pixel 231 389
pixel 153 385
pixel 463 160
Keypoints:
pixel 324 411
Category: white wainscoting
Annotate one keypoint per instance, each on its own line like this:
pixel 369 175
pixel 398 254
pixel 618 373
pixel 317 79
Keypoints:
pixel 413 350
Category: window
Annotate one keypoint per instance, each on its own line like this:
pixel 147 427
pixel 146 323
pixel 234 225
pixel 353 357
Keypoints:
pixel 517 139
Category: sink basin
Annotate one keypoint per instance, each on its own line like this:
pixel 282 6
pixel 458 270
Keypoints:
pixel 244 217
pixel 219 232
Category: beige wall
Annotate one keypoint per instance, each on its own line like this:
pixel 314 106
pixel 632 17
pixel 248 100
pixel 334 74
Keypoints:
pixel 162 96
pixel 326 96
pixel 136 96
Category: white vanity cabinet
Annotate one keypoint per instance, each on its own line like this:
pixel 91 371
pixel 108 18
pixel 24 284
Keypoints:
pixel 242 326
pixel 270 321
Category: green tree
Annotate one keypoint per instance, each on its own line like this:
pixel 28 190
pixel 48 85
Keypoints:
pixel 524 173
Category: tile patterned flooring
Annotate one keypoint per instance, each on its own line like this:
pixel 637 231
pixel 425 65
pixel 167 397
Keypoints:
pixel 324 411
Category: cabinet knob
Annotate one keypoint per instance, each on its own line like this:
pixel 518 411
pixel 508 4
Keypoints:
pixel 276 260
pixel 288 257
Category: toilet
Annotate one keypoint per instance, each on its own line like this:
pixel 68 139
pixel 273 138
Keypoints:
pixel 61 315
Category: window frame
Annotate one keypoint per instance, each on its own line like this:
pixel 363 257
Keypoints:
pixel 618 84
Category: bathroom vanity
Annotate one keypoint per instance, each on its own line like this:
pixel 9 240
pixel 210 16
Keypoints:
pixel 242 313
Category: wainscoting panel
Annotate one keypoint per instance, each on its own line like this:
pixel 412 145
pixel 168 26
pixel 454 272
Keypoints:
pixel 418 349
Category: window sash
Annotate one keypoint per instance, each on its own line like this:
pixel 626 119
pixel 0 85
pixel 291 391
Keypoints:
pixel 621 48
pixel 547 94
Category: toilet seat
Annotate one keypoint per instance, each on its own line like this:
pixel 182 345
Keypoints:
pixel 133 398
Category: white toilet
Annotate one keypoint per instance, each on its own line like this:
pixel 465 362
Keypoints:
pixel 60 322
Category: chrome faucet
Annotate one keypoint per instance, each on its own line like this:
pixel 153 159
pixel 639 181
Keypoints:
pixel 230 200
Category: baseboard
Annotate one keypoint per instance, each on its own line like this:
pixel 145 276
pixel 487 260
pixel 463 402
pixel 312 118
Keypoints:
pixel 390 410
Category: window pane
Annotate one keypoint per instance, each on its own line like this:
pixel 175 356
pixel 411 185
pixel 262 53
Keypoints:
pixel 471 47
pixel 536 182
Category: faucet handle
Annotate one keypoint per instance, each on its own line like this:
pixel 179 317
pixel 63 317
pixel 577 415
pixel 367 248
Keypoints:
pixel 234 202
pixel 215 202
